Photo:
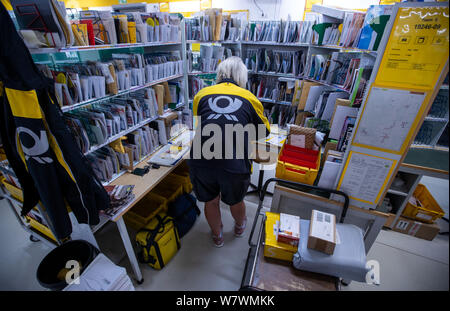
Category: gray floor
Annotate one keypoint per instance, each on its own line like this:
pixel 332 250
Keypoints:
pixel 406 263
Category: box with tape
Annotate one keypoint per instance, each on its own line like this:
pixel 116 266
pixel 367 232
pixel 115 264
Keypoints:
pixel 415 228
pixel 322 232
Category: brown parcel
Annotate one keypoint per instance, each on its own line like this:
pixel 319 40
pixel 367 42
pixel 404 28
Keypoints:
pixel 416 228
pixel 320 243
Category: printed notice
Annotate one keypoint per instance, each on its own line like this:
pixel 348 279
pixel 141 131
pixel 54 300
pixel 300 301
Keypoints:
pixel 365 176
pixel 397 109
pixel 417 49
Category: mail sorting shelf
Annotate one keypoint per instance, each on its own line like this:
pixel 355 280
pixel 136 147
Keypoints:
pixel 105 98
pixel 212 42
pixel 117 136
pixel 135 163
pixel 67 51
pixel 99 47
pixel 330 47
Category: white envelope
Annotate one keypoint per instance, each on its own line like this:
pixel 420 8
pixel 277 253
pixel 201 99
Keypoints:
pixel 148 73
pixel 155 72
pixel 76 81
pixel 156 34
pixel 166 69
pixel 59 93
pixel 160 71
pixel 84 81
pixel 127 79
pixel 102 82
pixel 121 79
pixel 141 33
pixel 96 86
pixel 331 102
pixel 66 95
pixel 141 77
pixel 150 33
pixel 313 96
pixel 134 76
pixel 174 31
pixel 162 132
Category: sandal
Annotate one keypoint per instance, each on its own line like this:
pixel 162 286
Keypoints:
pixel 218 240
pixel 239 230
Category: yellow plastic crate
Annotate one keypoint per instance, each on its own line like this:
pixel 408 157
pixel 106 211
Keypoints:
pixel 41 228
pixel 292 172
pixel 430 210
pixel 169 190
pixel 141 214
pixel 13 190
pixel 183 179
pixel 273 248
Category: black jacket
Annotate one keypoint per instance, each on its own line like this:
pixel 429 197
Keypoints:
pixel 38 144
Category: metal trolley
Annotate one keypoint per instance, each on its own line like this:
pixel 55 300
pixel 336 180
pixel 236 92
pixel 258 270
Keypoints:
pixel 261 273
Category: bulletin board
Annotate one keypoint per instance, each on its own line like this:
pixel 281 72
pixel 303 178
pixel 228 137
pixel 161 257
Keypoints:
pixel 411 59
pixel 388 118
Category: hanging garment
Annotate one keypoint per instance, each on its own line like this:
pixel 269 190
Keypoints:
pixel 38 144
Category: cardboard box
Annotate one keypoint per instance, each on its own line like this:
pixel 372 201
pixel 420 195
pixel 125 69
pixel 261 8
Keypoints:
pixel 273 248
pixel 301 117
pixel 415 228
pixel 159 92
pixel 322 232
pixel 328 146
pixel 389 220
pixel 289 230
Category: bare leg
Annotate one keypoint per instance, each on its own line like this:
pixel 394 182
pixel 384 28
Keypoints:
pixel 238 213
pixel 212 214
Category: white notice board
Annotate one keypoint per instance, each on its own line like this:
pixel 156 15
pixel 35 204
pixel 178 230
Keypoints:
pixel 364 176
pixel 388 117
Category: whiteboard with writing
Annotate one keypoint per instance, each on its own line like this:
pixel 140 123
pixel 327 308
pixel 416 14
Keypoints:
pixel 388 117
pixel 364 176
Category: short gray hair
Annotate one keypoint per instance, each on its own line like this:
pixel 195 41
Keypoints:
pixel 233 68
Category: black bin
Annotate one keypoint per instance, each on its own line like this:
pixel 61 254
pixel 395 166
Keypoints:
pixel 50 266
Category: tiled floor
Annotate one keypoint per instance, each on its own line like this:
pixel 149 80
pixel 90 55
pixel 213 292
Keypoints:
pixel 406 263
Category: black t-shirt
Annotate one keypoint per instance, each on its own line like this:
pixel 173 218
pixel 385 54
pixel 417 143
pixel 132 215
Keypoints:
pixel 234 116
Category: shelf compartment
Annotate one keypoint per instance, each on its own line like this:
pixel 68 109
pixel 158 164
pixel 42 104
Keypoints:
pixel 99 47
pixel 133 89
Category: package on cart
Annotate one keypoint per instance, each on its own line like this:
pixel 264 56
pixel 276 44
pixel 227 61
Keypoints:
pixel 322 232
pixel 348 260
pixel 289 229
pixel 273 248
pixel 158 241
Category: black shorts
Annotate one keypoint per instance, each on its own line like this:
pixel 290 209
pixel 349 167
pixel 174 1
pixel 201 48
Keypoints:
pixel 208 183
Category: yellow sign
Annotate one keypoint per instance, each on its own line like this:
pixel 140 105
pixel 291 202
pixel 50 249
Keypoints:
pixel 205 4
pixel 309 4
pixel 164 7
pixel 384 2
pixel 417 49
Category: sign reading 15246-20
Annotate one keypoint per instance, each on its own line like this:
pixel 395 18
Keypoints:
pixel 417 49
pixel 427 26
